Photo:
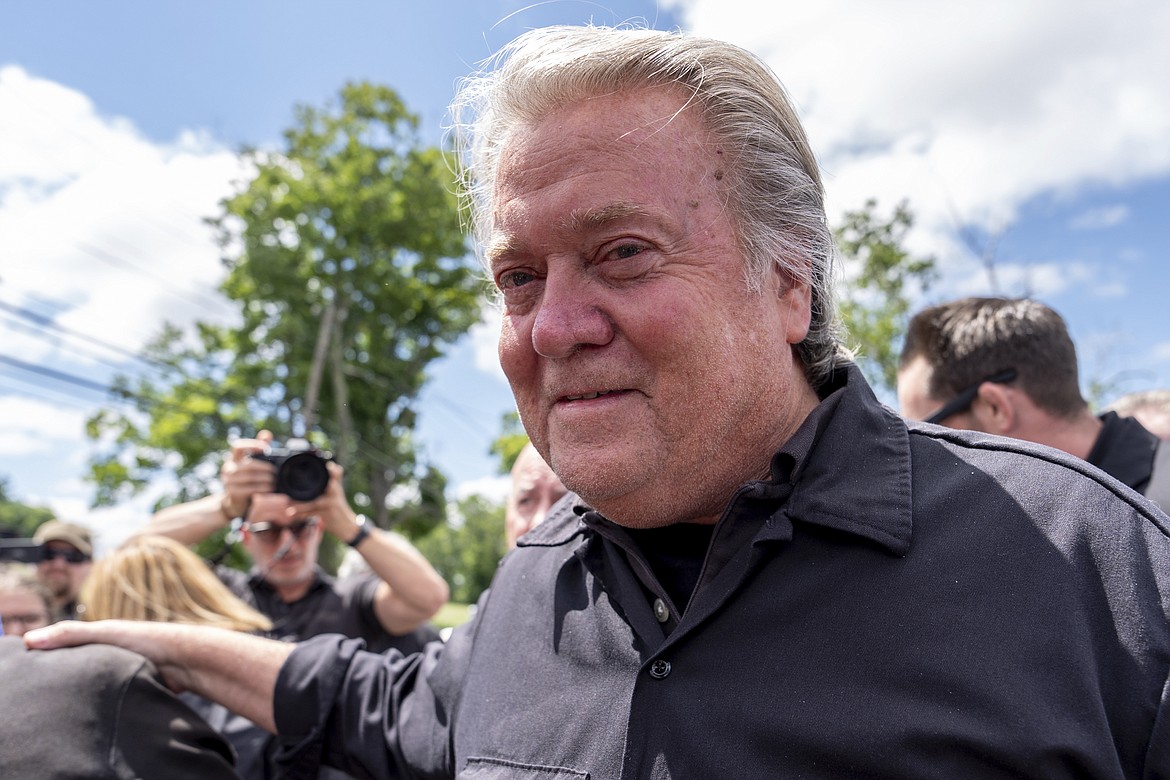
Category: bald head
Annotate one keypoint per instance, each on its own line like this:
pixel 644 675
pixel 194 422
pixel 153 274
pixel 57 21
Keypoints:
pixel 535 488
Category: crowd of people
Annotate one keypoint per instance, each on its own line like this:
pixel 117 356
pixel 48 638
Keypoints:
pixel 726 557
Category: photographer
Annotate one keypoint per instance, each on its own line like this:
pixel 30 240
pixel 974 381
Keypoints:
pixel 388 609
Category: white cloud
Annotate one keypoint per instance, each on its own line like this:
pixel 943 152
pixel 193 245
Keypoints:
pixel 494 488
pixel 29 425
pixel 1161 352
pixel 965 110
pixel 101 221
pixel 1099 219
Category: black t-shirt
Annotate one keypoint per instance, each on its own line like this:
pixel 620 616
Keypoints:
pixel 331 606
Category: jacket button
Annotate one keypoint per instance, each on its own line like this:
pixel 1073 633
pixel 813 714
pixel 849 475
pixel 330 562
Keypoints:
pixel 659 669
pixel 660 611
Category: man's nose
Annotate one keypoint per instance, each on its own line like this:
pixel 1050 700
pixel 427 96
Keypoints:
pixel 568 316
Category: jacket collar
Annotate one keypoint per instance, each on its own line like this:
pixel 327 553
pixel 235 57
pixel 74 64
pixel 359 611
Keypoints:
pixel 849 464
pixel 856 475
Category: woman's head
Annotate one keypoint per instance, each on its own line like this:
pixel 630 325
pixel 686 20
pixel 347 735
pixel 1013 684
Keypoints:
pixel 156 578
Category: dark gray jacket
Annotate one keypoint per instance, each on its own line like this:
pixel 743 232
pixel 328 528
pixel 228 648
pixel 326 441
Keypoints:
pixel 98 712
pixel 896 602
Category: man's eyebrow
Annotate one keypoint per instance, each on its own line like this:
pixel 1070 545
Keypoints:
pixel 498 247
pixel 579 220
pixel 584 219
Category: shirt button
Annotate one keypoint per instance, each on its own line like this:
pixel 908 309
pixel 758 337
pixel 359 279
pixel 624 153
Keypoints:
pixel 659 669
pixel 660 611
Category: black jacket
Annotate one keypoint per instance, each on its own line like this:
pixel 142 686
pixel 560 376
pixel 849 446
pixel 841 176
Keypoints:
pixel 897 602
pixel 98 712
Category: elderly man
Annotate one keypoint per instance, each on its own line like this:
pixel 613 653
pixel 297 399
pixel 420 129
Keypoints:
pixel 66 558
pixel 768 574
pixel 1008 366
pixel 535 488
pixel 387 609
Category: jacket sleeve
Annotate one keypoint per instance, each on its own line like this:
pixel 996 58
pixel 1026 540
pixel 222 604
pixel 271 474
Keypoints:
pixel 384 716
pixel 157 735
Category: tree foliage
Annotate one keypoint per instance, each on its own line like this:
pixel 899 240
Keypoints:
pixel 349 267
pixel 880 275
pixel 18 519
pixel 468 551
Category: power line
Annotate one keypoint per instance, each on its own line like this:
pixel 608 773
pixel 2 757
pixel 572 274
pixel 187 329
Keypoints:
pixel 43 321
pixel 60 376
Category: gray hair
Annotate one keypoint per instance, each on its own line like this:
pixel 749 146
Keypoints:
pixel 774 187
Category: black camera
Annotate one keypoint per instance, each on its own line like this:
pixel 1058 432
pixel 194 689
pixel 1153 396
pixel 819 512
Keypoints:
pixel 301 473
pixel 21 550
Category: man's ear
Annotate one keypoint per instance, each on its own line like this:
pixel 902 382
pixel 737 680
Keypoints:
pixel 796 298
pixel 995 409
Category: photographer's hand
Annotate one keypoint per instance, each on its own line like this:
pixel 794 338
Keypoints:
pixel 242 477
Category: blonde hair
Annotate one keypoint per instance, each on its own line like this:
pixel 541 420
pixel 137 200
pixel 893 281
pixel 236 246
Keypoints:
pixel 156 578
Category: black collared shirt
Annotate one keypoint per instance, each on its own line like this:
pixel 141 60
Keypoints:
pixel 897 601
pixel 330 606
pixel 1124 449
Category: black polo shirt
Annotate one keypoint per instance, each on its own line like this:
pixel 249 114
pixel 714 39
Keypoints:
pixel 330 606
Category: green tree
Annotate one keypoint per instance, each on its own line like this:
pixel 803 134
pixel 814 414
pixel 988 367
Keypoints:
pixel 349 266
pixel 18 519
pixel 511 440
pixel 467 550
pixel 879 277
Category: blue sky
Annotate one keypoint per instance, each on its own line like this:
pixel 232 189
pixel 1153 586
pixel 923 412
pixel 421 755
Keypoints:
pixel 1042 126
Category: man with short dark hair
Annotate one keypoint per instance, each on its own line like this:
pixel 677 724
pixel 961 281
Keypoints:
pixel 1008 366
pixel 768 574
pixel 66 558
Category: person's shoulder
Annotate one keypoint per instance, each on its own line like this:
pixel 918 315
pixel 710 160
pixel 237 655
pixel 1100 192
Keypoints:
pixel 1025 467
pixel 88 670
pixel 561 526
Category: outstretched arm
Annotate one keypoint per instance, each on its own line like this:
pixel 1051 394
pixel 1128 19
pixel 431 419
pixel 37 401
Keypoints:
pixel 236 670
pixel 411 590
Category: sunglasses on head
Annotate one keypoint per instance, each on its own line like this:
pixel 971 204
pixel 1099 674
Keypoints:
pixel 269 533
pixel 963 400
pixel 70 556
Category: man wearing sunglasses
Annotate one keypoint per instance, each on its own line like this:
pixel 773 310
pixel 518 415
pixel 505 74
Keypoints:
pixel 66 558
pixel 1009 367
pixel 389 608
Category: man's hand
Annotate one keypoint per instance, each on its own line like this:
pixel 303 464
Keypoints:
pixel 242 475
pixel 337 517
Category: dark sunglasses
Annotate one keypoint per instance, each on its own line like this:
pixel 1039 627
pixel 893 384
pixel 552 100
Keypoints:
pixel 70 556
pixel 269 533
pixel 963 400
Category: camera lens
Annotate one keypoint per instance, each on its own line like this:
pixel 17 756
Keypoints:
pixel 302 476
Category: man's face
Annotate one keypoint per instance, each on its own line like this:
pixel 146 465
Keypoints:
pixel 22 611
pixel 647 373
pixel 62 577
pixel 916 402
pixel 299 562
pixel 535 488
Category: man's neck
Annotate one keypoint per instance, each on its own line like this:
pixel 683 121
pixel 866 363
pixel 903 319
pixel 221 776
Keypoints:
pixel 1075 436
pixel 291 592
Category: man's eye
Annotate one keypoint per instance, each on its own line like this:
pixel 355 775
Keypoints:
pixel 510 280
pixel 626 251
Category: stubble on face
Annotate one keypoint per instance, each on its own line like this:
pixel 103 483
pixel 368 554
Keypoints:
pixel 631 285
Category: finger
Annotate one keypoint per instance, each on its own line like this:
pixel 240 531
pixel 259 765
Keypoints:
pixel 68 633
